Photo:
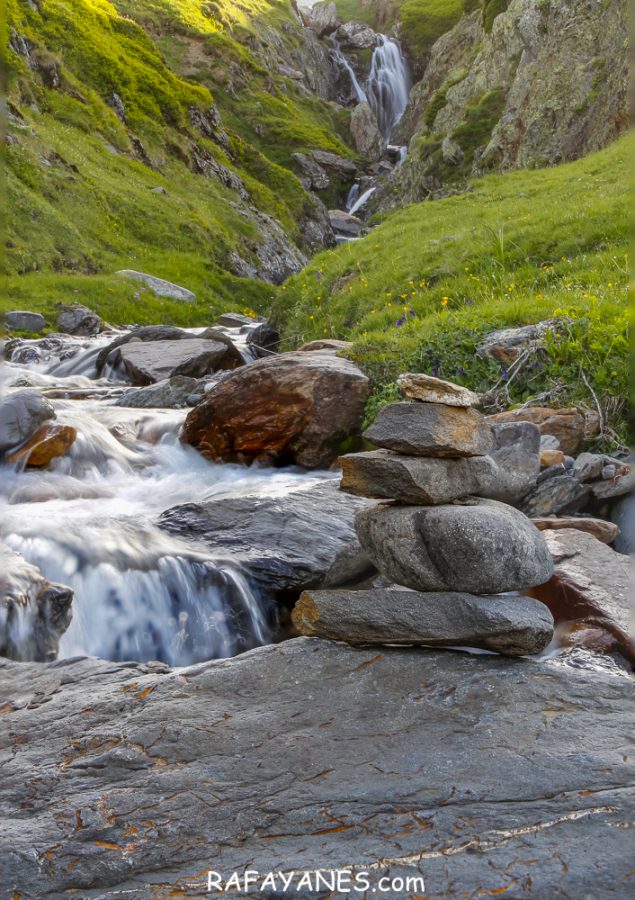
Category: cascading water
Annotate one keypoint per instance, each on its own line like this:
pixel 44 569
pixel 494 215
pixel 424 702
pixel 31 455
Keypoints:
pixel 88 521
pixel 343 63
pixel 388 84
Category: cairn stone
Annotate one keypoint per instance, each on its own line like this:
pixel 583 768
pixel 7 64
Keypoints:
pixel 417 386
pixel 431 429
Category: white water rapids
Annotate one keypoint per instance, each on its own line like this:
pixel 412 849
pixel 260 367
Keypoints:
pixel 87 521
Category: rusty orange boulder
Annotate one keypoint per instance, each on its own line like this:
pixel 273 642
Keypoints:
pixel 296 408
pixel 47 443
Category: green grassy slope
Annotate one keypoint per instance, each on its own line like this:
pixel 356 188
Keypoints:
pixel 425 286
pixel 83 186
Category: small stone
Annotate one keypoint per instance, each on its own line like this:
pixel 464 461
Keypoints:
pixel 507 623
pixel 431 429
pixel 602 530
pixel 588 466
pixel 417 386
pixel 568 462
pixel 549 442
pixel 21 320
pixel 551 472
pixel 609 472
pixel 46 444
pixel 560 494
pixel 551 458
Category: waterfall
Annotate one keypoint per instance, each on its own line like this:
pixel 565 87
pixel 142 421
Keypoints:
pixel 344 64
pixel 388 84
pixel 356 201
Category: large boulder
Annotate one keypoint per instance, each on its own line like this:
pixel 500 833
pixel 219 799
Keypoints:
pixel 300 539
pixel 48 442
pixel 506 623
pixel 143 333
pixel 22 320
pixel 293 408
pixel 147 363
pixel 78 320
pixel 483 547
pixel 572 427
pixel 366 134
pixel 471 772
pixel 160 286
pixel 323 18
pixel 431 429
pixel 415 479
pixel 21 414
pixel 34 613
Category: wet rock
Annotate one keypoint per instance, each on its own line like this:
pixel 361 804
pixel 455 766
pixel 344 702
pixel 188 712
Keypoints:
pixel 523 746
pixel 572 634
pixel 78 320
pixel 323 18
pixel 550 458
pixel 590 584
pixel 430 429
pixel 366 134
pixel 34 613
pixel 560 494
pixel 312 174
pixel 144 333
pixel 304 538
pixel 506 345
pixel 234 320
pixel 343 222
pixel 588 466
pixel 292 408
pixel 417 386
pixel 21 414
pixel 160 286
pixel 171 393
pixel 264 336
pixel 483 548
pixel 516 453
pixel 147 363
pixel 326 344
pixel 21 320
pixel 48 442
pixel 572 427
pixel 410 479
pixel 606 532
pixel 506 623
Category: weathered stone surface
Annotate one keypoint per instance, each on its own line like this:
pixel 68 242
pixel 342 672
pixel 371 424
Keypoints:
pixel 311 173
pixel 292 408
pixel 171 393
pixel 326 344
pixel 160 286
pixel 483 548
pixel 22 320
pixel 46 444
pixel 572 427
pixel 304 538
pixel 473 771
pixel 590 583
pixel 323 18
pixel 617 486
pixel 418 386
pixel 357 35
pixel 34 613
pixel 144 333
pixel 152 361
pixel 507 623
pixel 344 223
pixel 414 479
pixel 599 528
pixel 429 429
pixel 560 494
pixel 78 320
pixel 234 320
pixel 21 414
pixel 551 458
pixel 365 130
pixel 506 345
pixel 588 466
pixel 516 452
pixel 340 166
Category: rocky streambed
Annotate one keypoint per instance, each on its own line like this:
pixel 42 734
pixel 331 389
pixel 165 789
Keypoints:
pixel 169 502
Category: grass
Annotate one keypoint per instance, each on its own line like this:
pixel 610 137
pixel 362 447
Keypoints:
pixel 422 290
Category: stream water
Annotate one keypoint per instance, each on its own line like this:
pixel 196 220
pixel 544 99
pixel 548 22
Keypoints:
pixel 88 521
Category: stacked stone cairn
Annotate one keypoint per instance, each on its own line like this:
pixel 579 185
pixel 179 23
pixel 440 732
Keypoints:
pixel 452 560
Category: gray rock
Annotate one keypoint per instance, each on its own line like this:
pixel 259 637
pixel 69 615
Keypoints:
pixel 623 514
pixel 365 130
pixel 34 612
pixel 78 320
pixel 344 223
pixel 357 35
pixel 305 538
pixel 143 333
pixel 609 472
pixel 568 462
pixel 171 393
pixel 323 18
pixel 549 441
pixel 416 480
pixel 339 166
pixel 21 320
pixel 473 771
pixel 147 363
pixel 311 172
pixel 21 414
pixel 560 494
pixel 160 286
pixel 431 429
pixel 617 486
pixel 507 344
pixel 588 466
pixel 483 548
pixel 451 151
pixel 509 624
pixel 516 452
pixel 551 472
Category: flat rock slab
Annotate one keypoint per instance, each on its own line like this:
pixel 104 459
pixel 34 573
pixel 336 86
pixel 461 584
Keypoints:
pixel 22 320
pixel 418 386
pixel 506 623
pixel 599 528
pixel 152 361
pixel 160 286
pixel 301 539
pixel 476 772
pixel 430 429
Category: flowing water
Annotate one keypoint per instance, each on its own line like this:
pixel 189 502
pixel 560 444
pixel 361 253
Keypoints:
pixel 88 521
pixel 358 92
pixel 388 85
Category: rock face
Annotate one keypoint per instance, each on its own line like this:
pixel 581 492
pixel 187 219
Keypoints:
pixel 508 624
pixel 160 286
pixel 303 539
pixel 483 548
pixel 323 18
pixel 516 452
pixel 416 480
pixel 590 583
pixel 21 320
pixel 78 320
pixel 48 442
pixel 366 134
pixel 21 414
pixel 430 429
pixel 418 386
pixel 404 762
pixel 606 532
pixel 572 427
pixel 293 408
pixel 34 613
pixel 147 363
